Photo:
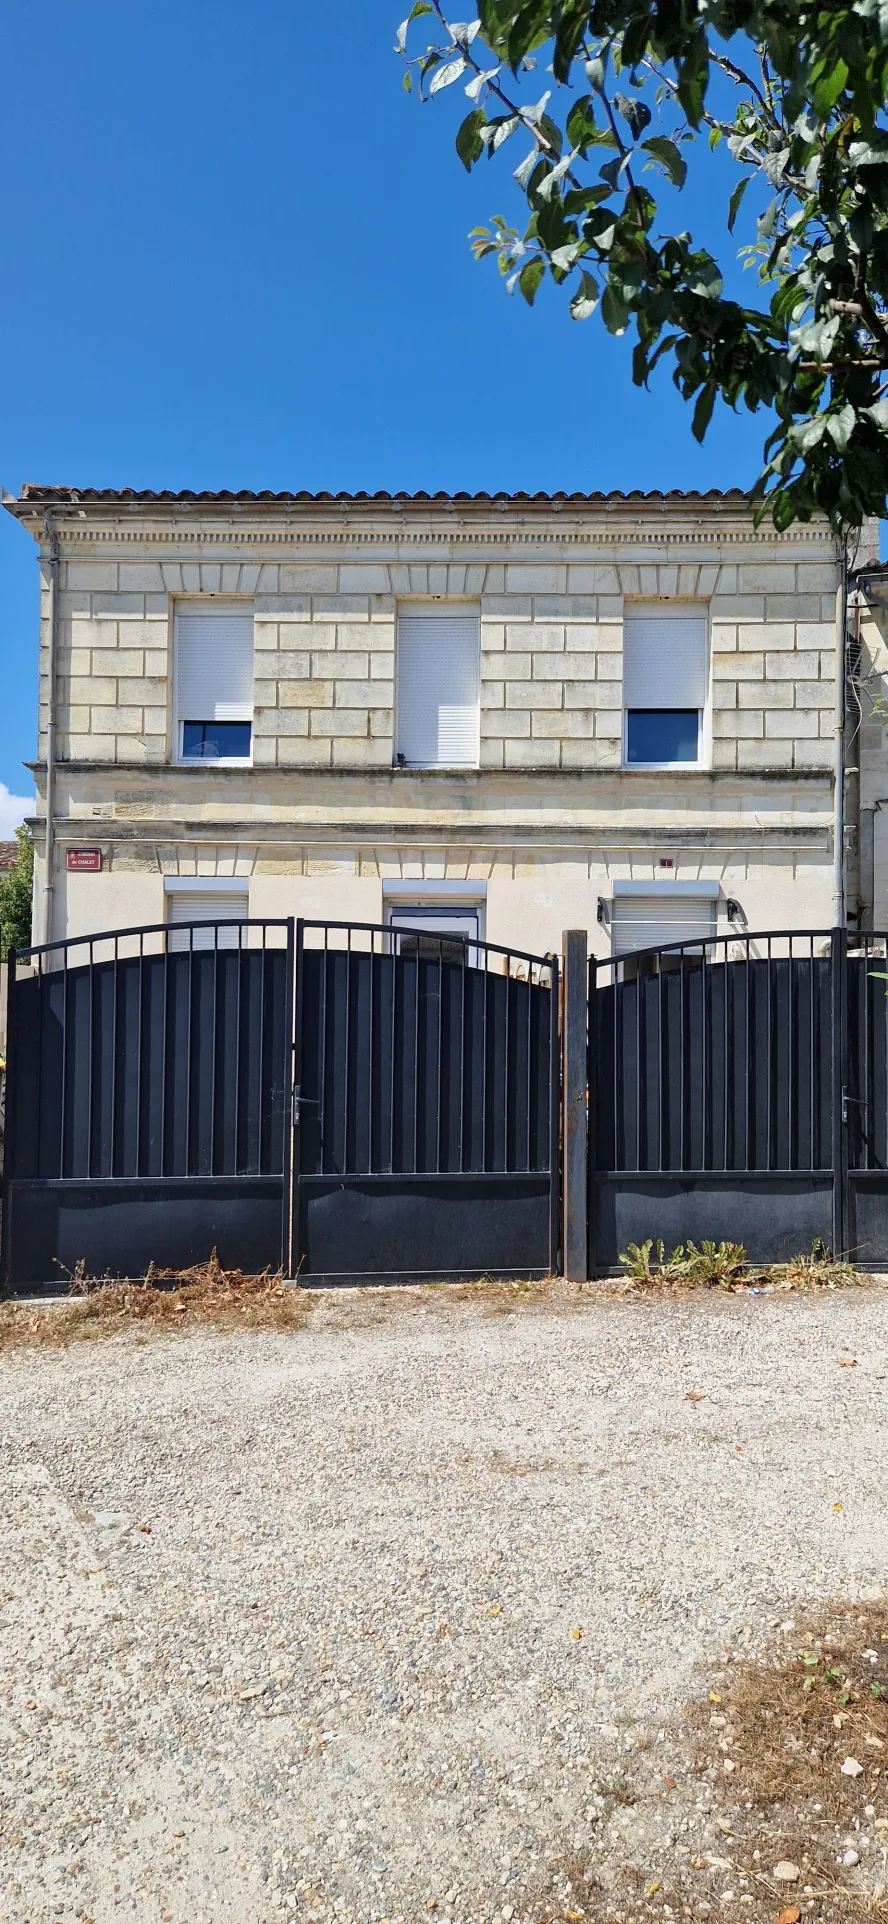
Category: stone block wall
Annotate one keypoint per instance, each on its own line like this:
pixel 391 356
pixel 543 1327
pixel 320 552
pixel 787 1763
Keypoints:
pixel 551 656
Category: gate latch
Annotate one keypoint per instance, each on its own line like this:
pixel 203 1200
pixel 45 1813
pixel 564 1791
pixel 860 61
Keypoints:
pixel 298 1101
pixel 854 1102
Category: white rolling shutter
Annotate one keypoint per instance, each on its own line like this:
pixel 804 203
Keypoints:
pixel 664 657
pixel 214 664
pixel 206 905
pixel 438 689
pixel 647 921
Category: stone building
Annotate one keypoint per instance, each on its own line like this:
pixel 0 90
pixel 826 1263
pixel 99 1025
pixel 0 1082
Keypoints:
pixel 506 714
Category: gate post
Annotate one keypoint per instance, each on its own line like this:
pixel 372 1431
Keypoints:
pixel 839 1076
pixel 8 1120
pixel 574 1098
pixel 291 1016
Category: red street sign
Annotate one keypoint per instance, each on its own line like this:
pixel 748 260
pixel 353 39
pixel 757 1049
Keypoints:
pixel 85 858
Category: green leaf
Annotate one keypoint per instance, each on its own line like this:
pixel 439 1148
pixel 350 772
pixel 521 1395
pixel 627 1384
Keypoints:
pixel 840 427
pixel 469 144
pixel 879 414
pixel 614 312
pixel 706 279
pixel 828 80
pixel 703 410
pixel 445 76
pixel 420 7
pixel 522 174
pixel 581 128
pixel 548 185
pixel 734 202
pixel 529 278
pixel 585 300
pixel 635 113
pixel 564 258
pixel 807 435
pixel 667 155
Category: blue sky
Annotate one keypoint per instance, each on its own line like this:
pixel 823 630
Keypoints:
pixel 233 254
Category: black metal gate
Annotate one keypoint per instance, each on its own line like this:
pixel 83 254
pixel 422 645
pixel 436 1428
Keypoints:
pixel 427 1106
pixel 148 1102
pixel 739 1090
pixel 380 1103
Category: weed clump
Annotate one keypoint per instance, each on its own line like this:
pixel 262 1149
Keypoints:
pixel 725 1265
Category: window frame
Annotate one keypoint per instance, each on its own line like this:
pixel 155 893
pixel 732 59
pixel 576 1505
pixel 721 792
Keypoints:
pixel 212 604
pixel 445 898
pixel 701 761
pixel 440 606
pixel 674 606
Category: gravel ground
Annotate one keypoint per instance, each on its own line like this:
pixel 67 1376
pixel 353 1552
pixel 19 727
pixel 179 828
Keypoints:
pixel 378 1619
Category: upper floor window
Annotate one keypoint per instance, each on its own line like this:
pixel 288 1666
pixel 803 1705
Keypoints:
pixel 213 717
pixel 665 661
pixel 438 695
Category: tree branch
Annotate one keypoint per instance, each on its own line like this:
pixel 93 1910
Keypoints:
pixel 874 323
pixel 743 80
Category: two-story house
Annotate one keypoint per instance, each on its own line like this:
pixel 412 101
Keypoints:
pixel 505 715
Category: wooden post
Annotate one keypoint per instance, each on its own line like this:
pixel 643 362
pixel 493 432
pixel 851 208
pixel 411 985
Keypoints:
pixel 574 1099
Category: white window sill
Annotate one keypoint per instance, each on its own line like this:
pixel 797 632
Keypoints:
pixel 219 761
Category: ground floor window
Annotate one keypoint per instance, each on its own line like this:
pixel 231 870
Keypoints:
pixel 449 929
pixel 644 916
pixel 211 905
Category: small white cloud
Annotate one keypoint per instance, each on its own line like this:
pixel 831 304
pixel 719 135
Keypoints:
pixel 13 809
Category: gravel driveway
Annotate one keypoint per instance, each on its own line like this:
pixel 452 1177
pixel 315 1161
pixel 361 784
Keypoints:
pixel 378 1618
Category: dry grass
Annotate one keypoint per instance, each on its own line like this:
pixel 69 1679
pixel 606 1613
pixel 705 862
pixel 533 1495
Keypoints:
pixel 206 1296
pixel 790 1725
pixel 209 1296
pixel 769 1745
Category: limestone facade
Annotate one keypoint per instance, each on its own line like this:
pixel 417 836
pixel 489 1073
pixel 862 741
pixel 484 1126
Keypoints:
pixel 322 823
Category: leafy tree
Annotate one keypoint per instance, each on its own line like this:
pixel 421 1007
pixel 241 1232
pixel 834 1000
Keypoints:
pixel 16 888
pixel 796 91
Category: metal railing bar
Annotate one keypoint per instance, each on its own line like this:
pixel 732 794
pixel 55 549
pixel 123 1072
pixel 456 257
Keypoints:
pixel 770 1035
pixel 416 1060
pixel 63 1104
pixel 475 942
pixel 440 1059
pixel 91 1065
pixel 815 1081
pixel 529 1094
pixel 682 1060
pixel 162 928
pixel 188 1061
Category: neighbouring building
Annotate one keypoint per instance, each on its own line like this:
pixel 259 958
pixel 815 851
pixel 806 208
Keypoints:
pixel 504 714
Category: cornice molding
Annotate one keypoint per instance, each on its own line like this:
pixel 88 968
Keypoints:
pixel 521 835
pixel 638 782
pixel 451 538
